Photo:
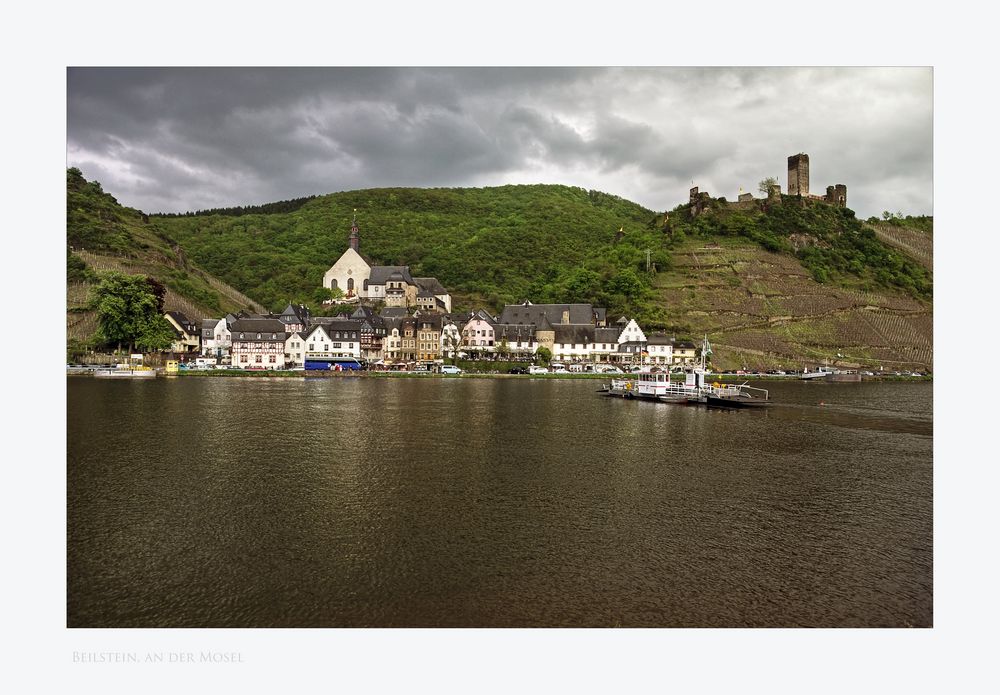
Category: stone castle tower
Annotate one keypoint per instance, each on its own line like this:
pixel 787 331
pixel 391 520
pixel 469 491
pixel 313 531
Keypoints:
pixel 798 175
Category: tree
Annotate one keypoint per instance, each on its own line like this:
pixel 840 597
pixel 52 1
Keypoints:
pixel 129 311
pixel 765 185
pixel 544 355
pixel 503 349
pixel 450 341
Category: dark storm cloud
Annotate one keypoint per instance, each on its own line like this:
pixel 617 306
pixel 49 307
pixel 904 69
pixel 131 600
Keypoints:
pixel 187 138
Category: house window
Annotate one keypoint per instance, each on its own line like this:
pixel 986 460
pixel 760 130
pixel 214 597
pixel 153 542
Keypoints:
pixel 259 359
pixel 272 359
pixel 312 347
pixel 350 284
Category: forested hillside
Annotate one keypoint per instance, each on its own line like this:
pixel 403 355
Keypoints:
pixel 102 235
pixel 772 285
pixel 489 246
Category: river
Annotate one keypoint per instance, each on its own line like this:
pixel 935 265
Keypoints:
pixel 239 502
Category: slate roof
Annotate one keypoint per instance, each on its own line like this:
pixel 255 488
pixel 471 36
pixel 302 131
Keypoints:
pixel 394 312
pixel 380 274
pixel 533 313
pixel 571 335
pixel 659 339
pixel 429 321
pixel 483 315
pixel 606 335
pixel 184 322
pixel 430 285
pixel 513 332
pixel 299 312
pixel 252 326
pixel 333 323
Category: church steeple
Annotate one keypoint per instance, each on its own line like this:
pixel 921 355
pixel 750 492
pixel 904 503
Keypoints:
pixel 355 236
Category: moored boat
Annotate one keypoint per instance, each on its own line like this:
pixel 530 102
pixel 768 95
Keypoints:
pixel 133 369
pixel 655 383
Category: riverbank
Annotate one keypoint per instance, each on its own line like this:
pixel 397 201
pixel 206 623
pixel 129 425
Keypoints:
pixel 318 374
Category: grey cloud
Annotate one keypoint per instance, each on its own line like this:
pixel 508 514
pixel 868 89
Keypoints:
pixel 186 138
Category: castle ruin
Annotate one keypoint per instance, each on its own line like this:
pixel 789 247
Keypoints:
pixel 798 182
pixel 798 185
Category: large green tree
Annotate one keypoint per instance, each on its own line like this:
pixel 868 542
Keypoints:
pixel 129 312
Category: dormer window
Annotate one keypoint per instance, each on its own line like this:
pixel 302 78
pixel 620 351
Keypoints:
pixel 258 336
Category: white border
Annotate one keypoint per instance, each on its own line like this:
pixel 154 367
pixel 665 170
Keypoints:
pixel 952 656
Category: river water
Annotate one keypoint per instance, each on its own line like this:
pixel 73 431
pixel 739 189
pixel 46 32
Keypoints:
pixel 238 502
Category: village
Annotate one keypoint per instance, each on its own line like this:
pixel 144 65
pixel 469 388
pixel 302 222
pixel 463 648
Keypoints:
pixel 414 329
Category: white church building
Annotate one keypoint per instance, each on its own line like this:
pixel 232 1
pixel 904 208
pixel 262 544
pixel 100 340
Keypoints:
pixel 356 276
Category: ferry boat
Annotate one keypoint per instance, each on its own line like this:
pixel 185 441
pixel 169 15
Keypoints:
pixel 654 383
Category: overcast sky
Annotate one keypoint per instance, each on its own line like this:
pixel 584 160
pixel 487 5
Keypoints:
pixel 179 139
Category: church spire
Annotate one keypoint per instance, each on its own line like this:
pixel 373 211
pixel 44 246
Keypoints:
pixel 355 237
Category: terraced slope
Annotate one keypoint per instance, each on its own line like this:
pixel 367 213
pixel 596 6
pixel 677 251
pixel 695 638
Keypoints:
pixel 918 244
pixel 102 235
pixel 762 309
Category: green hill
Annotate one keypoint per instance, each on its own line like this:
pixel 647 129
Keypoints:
pixel 102 235
pixel 771 284
pixel 490 246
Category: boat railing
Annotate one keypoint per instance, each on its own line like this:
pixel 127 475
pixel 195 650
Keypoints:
pixel 755 388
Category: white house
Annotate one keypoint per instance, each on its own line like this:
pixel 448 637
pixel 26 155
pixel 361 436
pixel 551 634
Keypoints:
pixel 216 338
pixel 392 344
pixel 660 349
pixel 333 338
pixel 295 350
pixel 605 344
pixel 572 342
pixel 451 338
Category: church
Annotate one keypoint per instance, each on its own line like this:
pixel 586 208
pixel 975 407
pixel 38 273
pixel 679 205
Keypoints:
pixel 355 276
